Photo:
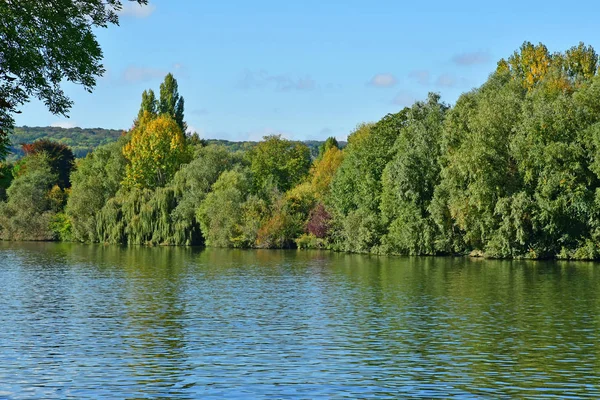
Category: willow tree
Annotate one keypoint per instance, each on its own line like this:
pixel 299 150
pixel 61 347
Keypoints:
pixel 97 179
pixel 478 165
pixel 221 213
pixel 410 178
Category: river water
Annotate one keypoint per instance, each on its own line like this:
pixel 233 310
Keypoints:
pixel 81 321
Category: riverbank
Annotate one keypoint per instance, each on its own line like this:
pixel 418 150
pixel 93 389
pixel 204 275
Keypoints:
pixel 509 171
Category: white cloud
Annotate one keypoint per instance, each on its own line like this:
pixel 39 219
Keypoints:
pixel 421 76
pixel 64 124
pixel 446 81
pixel 383 80
pixel 403 99
pixel 142 74
pixel 135 73
pixel 200 111
pixel 280 82
pixel 135 10
pixel 476 57
pixel 451 81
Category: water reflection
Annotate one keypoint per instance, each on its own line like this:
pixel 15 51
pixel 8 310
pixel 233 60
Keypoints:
pixel 96 321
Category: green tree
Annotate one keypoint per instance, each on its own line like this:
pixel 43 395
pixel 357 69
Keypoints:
pixel 171 103
pixel 410 178
pixel 221 213
pixel 279 162
pixel 331 142
pixel 6 177
pixel 554 210
pixel 44 43
pixel 60 156
pixel 478 167
pixel 29 211
pixel 356 187
pixel 97 179
pixel 192 183
pixel 149 105
pixel 581 62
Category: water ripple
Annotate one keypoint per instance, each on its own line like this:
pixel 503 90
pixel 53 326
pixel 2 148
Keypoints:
pixel 108 322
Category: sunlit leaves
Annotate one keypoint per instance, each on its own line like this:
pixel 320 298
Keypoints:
pixel 156 150
pixel 279 163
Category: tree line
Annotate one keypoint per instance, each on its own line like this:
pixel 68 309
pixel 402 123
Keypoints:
pixel 512 170
pixel 84 140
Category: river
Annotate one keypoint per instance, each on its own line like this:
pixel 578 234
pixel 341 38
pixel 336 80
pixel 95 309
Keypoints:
pixel 91 321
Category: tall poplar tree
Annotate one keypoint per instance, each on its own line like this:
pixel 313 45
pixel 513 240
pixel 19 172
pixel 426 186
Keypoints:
pixel 149 105
pixel 171 102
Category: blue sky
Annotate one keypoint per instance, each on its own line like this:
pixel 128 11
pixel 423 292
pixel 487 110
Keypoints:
pixel 308 69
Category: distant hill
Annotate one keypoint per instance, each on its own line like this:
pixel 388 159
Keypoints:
pixel 84 140
pixel 313 145
pixel 81 141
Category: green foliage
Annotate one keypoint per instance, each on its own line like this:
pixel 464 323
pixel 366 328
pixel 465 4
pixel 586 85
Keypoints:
pixel 356 187
pixel 6 177
pixel 286 217
pixel 42 48
pixel 61 227
pixel 60 156
pixel 279 162
pixel 162 216
pixel 551 150
pixel 330 143
pixel 97 179
pixel 511 171
pixel 310 241
pixel 29 211
pixel 478 167
pixel 410 178
pixel 221 213
pixel 359 231
pixel 193 183
pixel 149 105
pixel 357 183
pixel 171 103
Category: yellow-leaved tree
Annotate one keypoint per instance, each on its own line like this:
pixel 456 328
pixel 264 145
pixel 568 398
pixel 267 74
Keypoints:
pixel 562 72
pixel 529 64
pixel 155 152
pixel 323 170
